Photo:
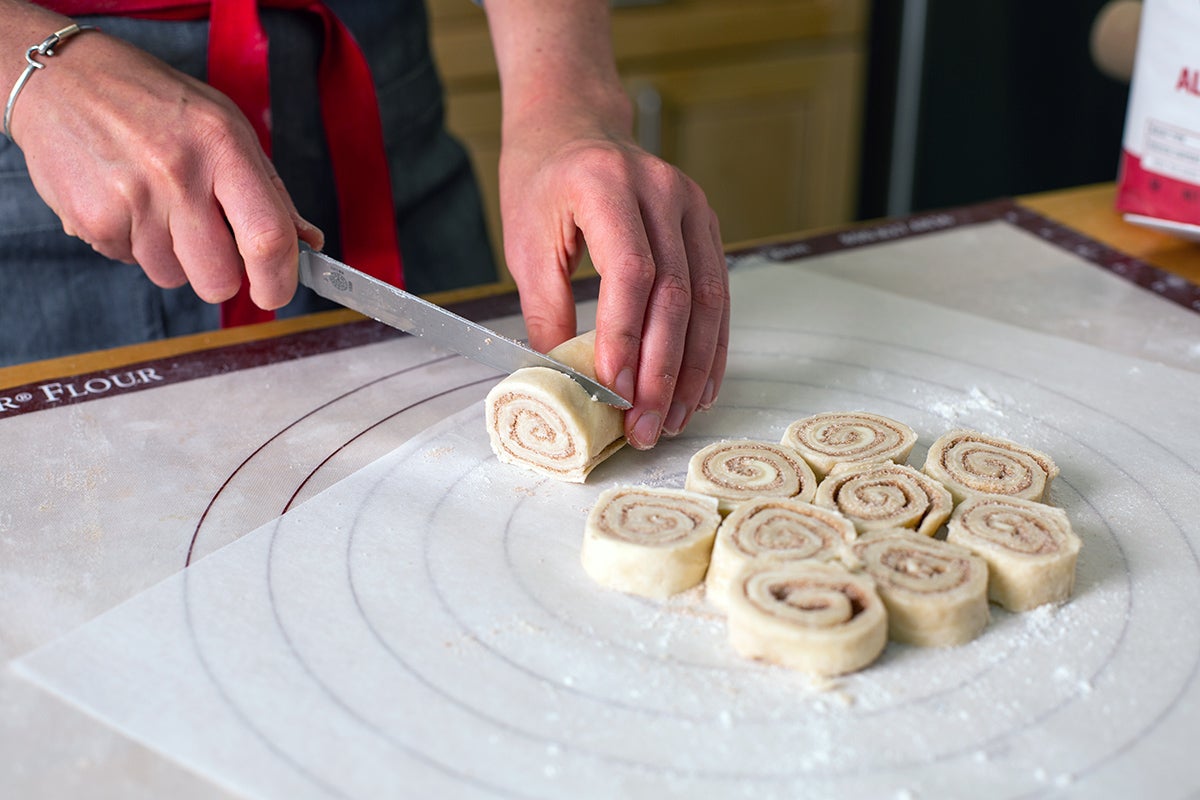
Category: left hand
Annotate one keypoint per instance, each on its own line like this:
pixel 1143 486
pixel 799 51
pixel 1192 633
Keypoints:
pixel 662 321
pixel 571 175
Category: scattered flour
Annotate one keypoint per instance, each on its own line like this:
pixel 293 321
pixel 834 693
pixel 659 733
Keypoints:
pixel 975 400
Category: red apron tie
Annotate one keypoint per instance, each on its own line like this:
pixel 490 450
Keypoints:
pixel 238 67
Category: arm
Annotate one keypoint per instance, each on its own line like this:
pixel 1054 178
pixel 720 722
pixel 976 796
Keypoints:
pixel 571 173
pixel 148 165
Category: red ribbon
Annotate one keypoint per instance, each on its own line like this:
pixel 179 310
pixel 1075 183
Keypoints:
pixel 237 66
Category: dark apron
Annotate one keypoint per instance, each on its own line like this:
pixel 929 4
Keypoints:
pixel 58 297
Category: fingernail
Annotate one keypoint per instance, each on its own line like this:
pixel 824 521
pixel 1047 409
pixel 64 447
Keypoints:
pixel 675 419
pixel 709 396
pixel 646 430
pixel 624 384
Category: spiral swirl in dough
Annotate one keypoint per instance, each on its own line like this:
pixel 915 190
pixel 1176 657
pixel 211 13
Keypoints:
pixel 935 592
pixel 813 616
pixel 743 469
pixel 650 542
pixel 540 419
pixel 1029 547
pixel 770 527
pixel 969 462
pixel 849 437
pixel 877 496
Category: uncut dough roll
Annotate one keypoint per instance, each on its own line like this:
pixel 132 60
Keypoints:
pixel 649 542
pixel 849 437
pixel 772 527
pixel 540 419
pixel 935 592
pixel 969 462
pixel 878 496
pixel 1029 548
pixel 743 469
pixel 808 615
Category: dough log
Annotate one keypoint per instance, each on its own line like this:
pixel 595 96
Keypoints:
pixel 650 542
pixel 779 528
pixel 743 469
pixel 878 496
pixel 1029 547
pixel 850 437
pixel 811 616
pixel 935 592
pixel 542 420
pixel 968 463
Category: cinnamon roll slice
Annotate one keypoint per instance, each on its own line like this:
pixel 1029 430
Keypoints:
pixel 969 462
pixel 540 419
pixel 649 542
pixel 1029 548
pixel 771 527
pixel 807 615
pixel 877 496
pixel 935 592
pixel 849 437
pixel 739 470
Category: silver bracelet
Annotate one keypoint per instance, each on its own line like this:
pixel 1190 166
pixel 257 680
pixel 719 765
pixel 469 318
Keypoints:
pixel 46 48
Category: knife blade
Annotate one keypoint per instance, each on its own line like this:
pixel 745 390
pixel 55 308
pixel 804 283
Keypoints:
pixel 381 301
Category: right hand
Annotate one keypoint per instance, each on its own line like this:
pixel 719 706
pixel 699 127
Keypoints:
pixel 151 166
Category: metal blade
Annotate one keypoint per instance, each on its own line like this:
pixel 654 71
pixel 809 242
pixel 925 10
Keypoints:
pixel 356 290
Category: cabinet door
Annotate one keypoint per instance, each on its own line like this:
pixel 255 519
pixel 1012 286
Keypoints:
pixel 772 141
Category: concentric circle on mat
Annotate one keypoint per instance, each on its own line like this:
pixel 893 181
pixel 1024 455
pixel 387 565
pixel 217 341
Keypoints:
pixel 489 661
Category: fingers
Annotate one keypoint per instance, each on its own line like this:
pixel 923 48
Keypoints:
pixel 663 314
pixel 253 201
pixel 716 375
pixel 153 249
pixel 213 243
pixel 547 302
pixel 626 263
pixel 708 324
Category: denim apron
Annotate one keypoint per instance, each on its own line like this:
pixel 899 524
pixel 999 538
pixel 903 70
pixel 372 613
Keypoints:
pixel 58 297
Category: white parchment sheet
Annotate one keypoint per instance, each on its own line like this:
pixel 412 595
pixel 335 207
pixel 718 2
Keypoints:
pixel 423 628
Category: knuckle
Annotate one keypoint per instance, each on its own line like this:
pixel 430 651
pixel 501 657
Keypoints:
pixel 636 269
pixel 710 293
pixel 536 321
pixel 673 294
pixel 625 340
pixel 267 242
pixel 106 232
pixel 212 122
pixel 608 165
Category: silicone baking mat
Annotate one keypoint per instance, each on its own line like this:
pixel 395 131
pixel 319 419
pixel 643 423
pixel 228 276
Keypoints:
pixel 422 627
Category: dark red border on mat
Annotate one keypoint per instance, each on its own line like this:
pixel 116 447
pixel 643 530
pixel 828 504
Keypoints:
pixel 216 361
pixel 1166 284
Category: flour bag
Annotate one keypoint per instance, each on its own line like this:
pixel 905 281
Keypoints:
pixel 1159 182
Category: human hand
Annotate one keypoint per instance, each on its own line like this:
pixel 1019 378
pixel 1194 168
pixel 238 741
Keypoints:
pixel 151 166
pixel 662 327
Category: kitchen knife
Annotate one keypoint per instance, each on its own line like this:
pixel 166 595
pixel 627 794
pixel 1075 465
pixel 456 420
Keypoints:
pixel 356 290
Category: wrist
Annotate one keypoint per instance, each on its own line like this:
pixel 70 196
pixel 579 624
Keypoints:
pixel 36 59
pixel 600 110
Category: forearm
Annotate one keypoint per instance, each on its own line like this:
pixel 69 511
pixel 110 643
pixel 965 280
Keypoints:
pixel 555 58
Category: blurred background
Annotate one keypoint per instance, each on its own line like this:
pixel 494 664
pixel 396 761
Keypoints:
pixel 796 115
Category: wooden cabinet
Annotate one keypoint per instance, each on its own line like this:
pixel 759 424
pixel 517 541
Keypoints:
pixel 758 100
